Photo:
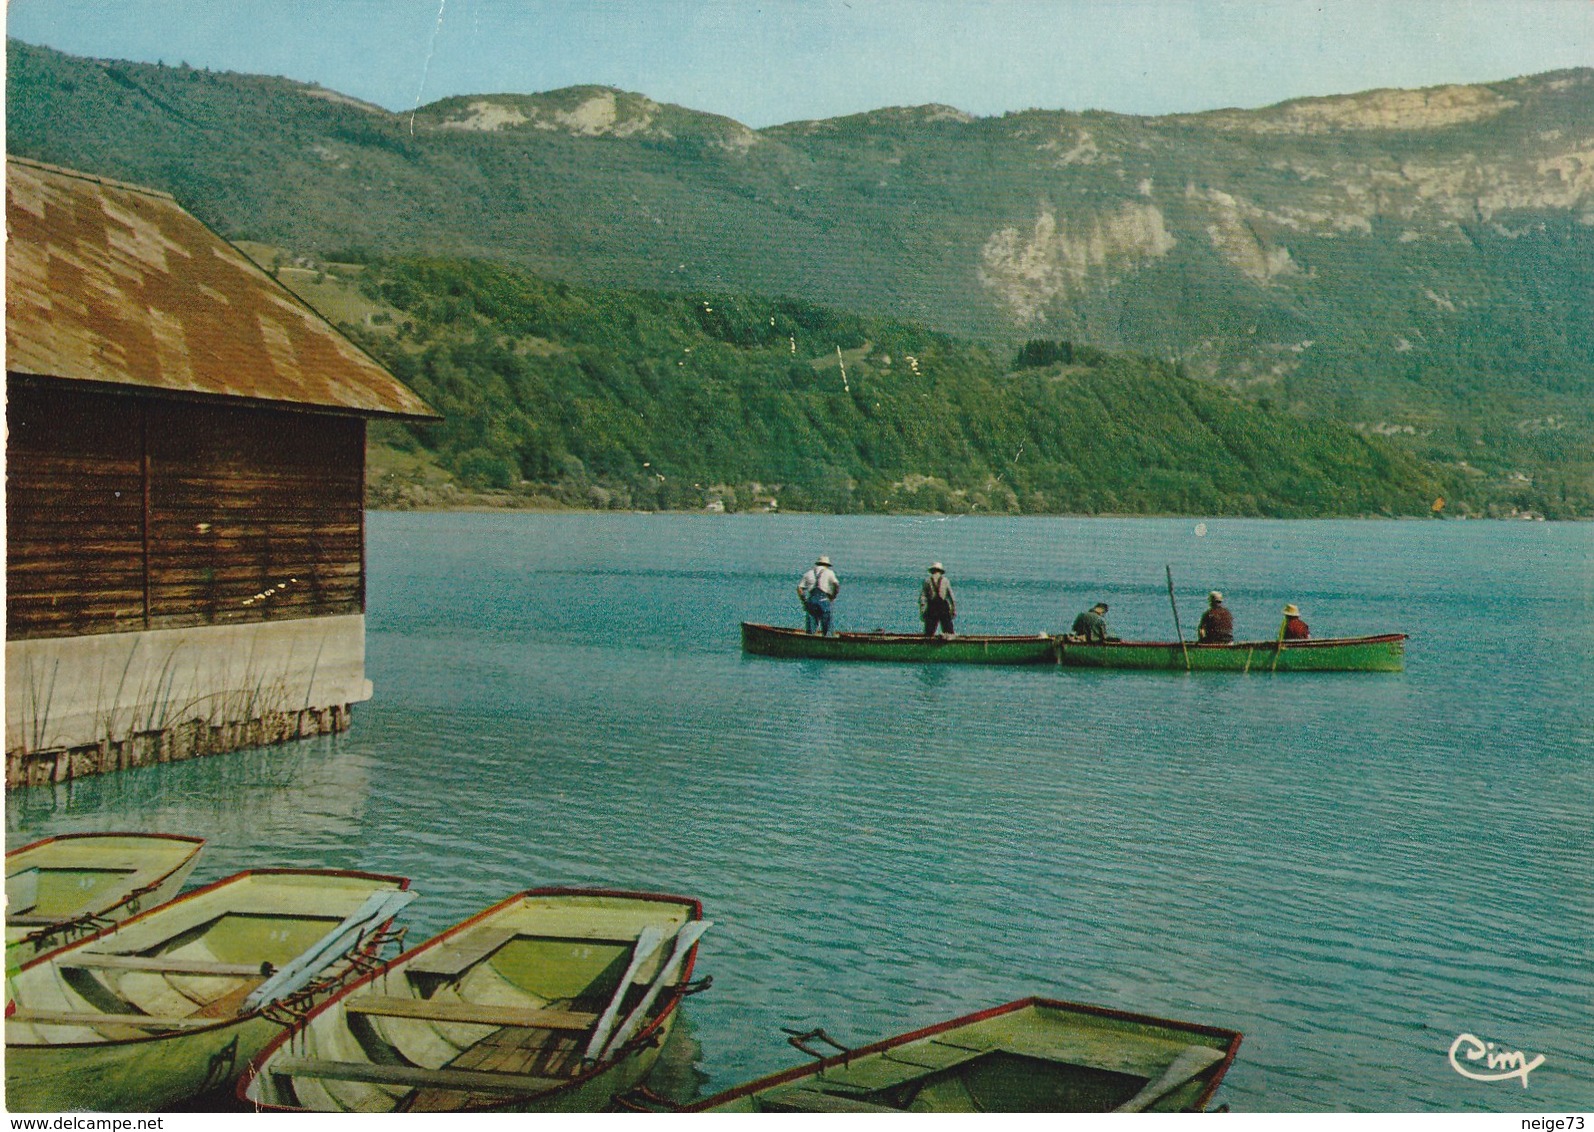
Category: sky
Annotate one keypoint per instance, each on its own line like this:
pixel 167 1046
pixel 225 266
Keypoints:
pixel 768 61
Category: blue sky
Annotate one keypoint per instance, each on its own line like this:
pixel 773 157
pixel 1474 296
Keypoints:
pixel 768 61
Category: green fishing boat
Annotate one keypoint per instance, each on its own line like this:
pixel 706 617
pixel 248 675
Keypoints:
pixel 555 1000
pixel 913 648
pixel 63 888
pixel 173 1002
pixel 1384 653
pixel 1034 1055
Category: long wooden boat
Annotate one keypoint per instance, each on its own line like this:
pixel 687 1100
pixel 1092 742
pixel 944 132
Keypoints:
pixel 1033 1055
pixel 173 1002
pixel 63 888
pixel 1385 653
pixel 769 640
pixel 555 1000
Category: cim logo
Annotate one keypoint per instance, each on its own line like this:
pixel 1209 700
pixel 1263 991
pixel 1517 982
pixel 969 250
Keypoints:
pixel 1502 1064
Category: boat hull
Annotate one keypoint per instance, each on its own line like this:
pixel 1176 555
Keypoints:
pixel 134 1076
pixel 908 648
pixel 1384 653
pixel 517 976
pixel 117 875
pixel 59 1057
pixel 1033 1055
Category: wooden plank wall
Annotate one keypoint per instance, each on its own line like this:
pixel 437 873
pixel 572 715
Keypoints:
pixel 129 512
pixel 74 517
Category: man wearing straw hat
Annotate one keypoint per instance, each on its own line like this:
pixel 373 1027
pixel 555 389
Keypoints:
pixel 1217 623
pixel 1293 629
pixel 816 591
pixel 937 606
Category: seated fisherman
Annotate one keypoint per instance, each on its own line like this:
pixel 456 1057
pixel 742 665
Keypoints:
pixel 1294 629
pixel 1217 623
pixel 1091 625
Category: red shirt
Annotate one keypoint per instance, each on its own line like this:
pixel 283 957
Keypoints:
pixel 1295 629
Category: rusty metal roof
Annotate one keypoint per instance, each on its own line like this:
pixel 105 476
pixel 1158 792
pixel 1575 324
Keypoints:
pixel 113 283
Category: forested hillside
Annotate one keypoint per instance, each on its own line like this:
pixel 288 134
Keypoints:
pixel 1413 265
pixel 660 400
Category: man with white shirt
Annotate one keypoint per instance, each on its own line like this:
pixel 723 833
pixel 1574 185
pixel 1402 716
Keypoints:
pixel 816 591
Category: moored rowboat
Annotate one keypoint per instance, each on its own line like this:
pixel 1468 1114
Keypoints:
pixel 62 888
pixel 173 1002
pixel 1385 653
pixel 1033 1055
pixel 769 640
pixel 554 1000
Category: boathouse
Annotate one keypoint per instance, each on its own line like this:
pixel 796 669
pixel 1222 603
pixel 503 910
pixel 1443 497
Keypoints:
pixel 185 475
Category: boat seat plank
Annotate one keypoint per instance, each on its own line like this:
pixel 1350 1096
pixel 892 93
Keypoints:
pixel 933 1055
pixel 894 1066
pixel 472 1012
pixel 96 1018
pixel 534 1052
pixel 161 965
pixel 461 1080
pixel 461 954
pixel 229 1005
pixel 813 1100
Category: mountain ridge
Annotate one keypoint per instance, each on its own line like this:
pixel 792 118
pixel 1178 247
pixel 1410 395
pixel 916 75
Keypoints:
pixel 1407 260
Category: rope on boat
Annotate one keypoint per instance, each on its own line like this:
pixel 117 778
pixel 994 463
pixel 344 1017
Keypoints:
pixel 364 958
pixel 644 1099
pixel 800 1038
pixel 86 924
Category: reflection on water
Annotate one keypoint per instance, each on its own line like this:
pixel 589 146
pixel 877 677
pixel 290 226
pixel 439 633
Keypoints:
pixel 1351 869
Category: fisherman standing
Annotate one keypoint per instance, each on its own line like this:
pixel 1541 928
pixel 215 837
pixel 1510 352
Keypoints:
pixel 1091 625
pixel 1217 623
pixel 816 591
pixel 937 606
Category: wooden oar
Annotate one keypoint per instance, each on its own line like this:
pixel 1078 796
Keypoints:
pixel 378 908
pixel 1188 1065
pixel 1278 645
pixel 1177 628
pixel 647 942
pixel 685 940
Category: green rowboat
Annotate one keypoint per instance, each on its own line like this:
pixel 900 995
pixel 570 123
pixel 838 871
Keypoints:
pixel 1384 653
pixel 1034 1055
pixel 63 888
pixel 555 1000
pixel 768 640
pixel 174 1002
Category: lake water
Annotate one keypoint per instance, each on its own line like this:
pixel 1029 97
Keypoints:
pixel 1353 870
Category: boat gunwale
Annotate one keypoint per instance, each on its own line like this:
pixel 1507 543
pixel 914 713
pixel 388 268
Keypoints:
pixel 1311 642
pixel 886 637
pixel 198 842
pixel 236 1019
pixel 814 1068
pixel 186 861
pixel 258 1064
pixel 882 636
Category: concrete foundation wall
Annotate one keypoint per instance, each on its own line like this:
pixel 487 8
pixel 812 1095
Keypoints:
pixel 85 705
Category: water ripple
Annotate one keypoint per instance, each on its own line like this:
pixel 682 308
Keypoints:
pixel 1352 870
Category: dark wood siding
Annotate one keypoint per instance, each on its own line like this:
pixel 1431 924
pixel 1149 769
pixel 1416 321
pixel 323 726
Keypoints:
pixel 250 514
pixel 74 516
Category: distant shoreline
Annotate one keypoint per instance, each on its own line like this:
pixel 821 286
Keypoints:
pixel 492 509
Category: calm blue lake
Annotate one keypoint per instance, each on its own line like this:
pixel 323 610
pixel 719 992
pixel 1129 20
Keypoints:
pixel 1354 870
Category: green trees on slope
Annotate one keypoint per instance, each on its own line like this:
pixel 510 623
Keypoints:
pixel 675 400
